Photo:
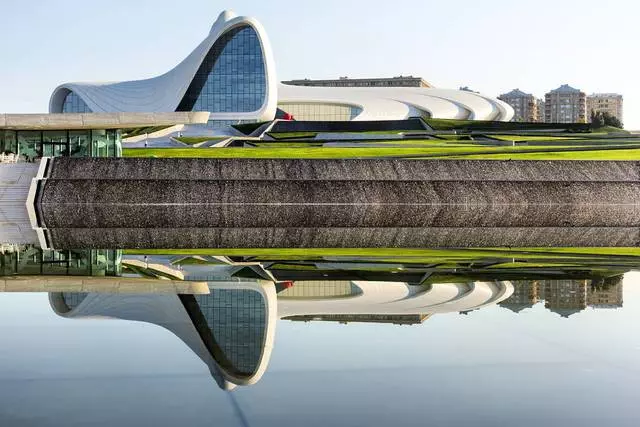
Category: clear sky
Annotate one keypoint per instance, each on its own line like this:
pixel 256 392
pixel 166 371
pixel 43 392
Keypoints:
pixel 492 46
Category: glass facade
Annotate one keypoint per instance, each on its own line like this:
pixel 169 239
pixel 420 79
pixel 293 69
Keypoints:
pixel 232 77
pixel 31 145
pixel 74 104
pixel 237 321
pixel 307 111
pixel 31 261
pixel 73 299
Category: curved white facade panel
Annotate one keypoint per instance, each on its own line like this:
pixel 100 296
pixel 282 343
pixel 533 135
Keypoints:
pixel 402 102
pixel 167 92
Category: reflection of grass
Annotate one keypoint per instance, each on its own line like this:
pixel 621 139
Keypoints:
pixel 406 254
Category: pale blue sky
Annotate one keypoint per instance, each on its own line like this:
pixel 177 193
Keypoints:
pixel 491 46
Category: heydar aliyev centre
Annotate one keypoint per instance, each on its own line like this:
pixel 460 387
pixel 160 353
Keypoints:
pixel 232 75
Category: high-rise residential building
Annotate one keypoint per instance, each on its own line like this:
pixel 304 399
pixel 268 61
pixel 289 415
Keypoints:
pixel 565 105
pixel 611 103
pixel 524 105
pixel 400 81
pixel 540 104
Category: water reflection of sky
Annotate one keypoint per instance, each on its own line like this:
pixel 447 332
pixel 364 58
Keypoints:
pixel 490 366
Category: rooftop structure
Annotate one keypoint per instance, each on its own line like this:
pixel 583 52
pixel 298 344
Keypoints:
pixel 400 81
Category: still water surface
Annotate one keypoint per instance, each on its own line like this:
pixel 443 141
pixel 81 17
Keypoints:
pixel 557 352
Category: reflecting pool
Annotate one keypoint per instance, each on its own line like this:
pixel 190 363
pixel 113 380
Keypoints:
pixel 268 338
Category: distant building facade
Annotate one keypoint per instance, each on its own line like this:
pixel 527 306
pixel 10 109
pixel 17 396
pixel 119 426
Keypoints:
pixel 540 105
pixel 524 104
pixel 566 105
pixel 400 81
pixel 611 103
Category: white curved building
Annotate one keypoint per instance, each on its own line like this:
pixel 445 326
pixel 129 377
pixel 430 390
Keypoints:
pixel 232 75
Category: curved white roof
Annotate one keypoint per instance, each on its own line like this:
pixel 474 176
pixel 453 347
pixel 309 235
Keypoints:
pixel 164 93
pixel 397 103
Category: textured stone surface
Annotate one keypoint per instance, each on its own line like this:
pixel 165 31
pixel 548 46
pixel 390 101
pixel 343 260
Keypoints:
pixel 214 203
pixel 180 204
pixel 200 238
pixel 343 170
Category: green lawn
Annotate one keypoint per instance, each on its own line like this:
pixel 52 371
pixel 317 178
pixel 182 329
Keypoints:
pixel 532 138
pixel 304 152
pixel 614 152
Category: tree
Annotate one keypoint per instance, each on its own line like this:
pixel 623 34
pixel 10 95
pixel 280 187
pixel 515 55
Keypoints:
pixel 602 118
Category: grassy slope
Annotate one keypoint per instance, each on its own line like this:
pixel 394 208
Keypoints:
pixel 617 152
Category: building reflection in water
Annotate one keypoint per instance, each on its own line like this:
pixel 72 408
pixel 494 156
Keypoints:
pixel 566 297
pixel 232 329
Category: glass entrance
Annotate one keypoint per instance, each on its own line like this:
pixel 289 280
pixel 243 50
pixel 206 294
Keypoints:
pixel 53 149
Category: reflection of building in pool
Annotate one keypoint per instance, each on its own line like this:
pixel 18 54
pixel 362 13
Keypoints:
pixel 391 302
pixel 525 295
pixel 396 319
pixel 33 261
pixel 566 297
pixel 606 293
pixel 232 329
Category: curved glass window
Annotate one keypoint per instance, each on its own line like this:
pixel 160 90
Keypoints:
pixel 232 77
pixel 237 322
pixel 74 104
